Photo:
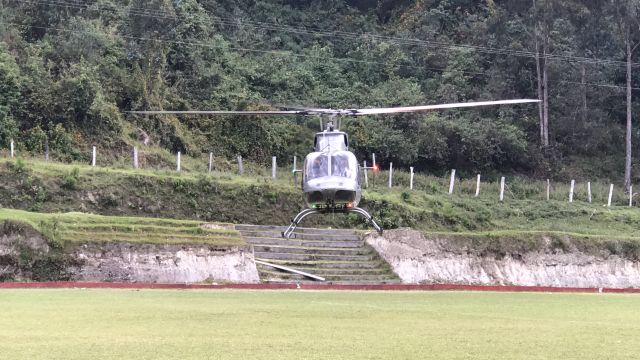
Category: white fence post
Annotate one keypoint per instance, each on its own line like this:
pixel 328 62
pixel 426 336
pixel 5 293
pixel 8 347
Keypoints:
pixel 135 157
pixel 210 162
pixel 12 149
pixel 295 170
pixel 93 156
pixel 366 174
pixel 573 185
pixel 548 189
pixel 411 178
pixel 46 150
pixel 630 195
pixel 178 158
pixel 478 186
pixel 452 181
pixel 502 188
pixel 273 167
pixel 390 175
pixel 610 195
pixel 589 191
pixel 240 167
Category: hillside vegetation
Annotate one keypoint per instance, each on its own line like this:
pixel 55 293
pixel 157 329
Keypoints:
pixel 225 197
pixel 70 71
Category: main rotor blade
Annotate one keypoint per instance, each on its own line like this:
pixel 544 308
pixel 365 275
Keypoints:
pixel 339 112
pixel 205 112
pixel 437 107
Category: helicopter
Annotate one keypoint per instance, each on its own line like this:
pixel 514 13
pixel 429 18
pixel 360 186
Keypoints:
pixel 331 174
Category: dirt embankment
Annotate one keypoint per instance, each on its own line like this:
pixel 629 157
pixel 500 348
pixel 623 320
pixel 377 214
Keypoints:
pixel 541 260
pixel 25 255
pixel 163 263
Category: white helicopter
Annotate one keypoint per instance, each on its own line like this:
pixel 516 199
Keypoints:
pixel 331 180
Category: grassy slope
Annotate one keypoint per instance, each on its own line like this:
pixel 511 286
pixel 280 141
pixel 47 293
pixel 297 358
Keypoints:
pixel 70 228
pixel 113 324
pixel 258 199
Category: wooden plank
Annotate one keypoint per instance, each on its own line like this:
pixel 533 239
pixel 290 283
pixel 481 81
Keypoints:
pixel 290 270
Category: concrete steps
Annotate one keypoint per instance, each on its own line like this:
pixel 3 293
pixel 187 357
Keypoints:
pixel 339 256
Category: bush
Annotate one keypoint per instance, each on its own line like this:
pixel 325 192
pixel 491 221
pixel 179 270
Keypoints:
pixel 19 167
pixel 51 231
pixel 70 179
pixel 49 268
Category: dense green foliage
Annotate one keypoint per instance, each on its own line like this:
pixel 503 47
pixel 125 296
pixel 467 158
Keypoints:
pixel 217 324
pixel 69 70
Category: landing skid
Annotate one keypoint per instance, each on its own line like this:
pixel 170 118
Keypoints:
pixel 306 212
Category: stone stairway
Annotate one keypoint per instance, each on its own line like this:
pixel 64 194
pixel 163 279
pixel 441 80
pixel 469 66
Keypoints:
pixel 340 256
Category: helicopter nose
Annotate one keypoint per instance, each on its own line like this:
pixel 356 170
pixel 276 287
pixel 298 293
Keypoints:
pixel 339 196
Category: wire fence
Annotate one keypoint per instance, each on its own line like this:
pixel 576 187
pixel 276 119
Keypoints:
pixel 500 189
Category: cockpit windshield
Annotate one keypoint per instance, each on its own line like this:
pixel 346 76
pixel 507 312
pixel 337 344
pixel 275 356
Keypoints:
pixel 340 164
pixel 317 166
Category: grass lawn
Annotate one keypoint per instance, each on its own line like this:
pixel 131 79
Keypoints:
pixel 158 324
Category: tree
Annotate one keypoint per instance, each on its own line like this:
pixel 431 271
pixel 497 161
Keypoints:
pixel 627 13
pixel 542 35
pixel 9 95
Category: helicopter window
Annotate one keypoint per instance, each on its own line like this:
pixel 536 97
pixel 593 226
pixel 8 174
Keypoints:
pixel 342 165
pixel 318 167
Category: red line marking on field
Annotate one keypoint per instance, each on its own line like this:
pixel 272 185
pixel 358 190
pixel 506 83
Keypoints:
pixel 311 286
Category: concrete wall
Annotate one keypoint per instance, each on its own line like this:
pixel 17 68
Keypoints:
pixel 417 258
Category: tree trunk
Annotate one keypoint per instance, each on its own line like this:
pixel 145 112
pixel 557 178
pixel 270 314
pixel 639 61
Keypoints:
pixel 536 37
pixel 545 89
pixel 583 80
pixel 627 162
pixel 540 96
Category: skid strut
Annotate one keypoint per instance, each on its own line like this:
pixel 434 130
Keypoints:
pixel 306 212
pixel 366 215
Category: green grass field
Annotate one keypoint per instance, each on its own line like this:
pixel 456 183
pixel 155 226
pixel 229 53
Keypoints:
pixel 159 324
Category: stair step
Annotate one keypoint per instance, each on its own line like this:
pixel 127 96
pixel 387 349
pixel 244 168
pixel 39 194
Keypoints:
pixel 327 272
pixel 328 264
pixel 299 230
pixel 353 278
pixel 297 242
pixel 345 282
pixel 302 236
pixel 289 256
pixel 311 250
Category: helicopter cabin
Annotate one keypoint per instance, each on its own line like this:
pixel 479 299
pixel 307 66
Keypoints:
pixel 331 179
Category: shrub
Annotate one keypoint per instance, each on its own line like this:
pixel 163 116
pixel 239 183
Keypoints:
pixel 50 229
pixel 70 179
pixel 19 167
